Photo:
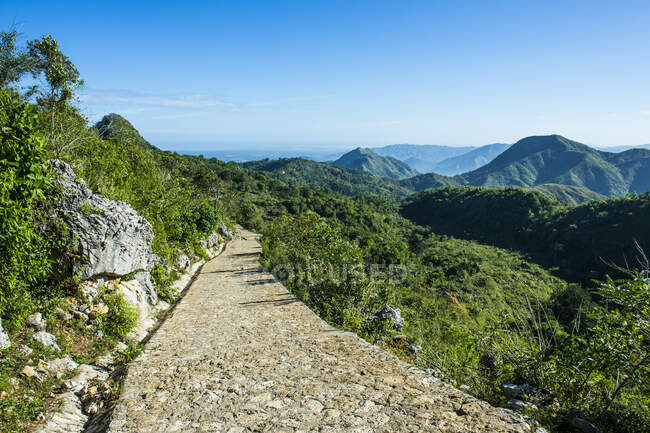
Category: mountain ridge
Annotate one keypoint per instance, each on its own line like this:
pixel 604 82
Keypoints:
pixel 366 160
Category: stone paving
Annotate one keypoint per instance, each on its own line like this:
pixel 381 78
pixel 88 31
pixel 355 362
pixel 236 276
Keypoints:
pixel 241 354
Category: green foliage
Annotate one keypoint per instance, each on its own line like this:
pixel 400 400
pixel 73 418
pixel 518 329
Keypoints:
pixel 580 242
pixel 250 216
pixel 132 351
pixel 164 279
pixel 14 61
pixel 324 176
pixel 322 269
pixel 567 194
pixel 60 74
pixel 121 318
pixel 25 261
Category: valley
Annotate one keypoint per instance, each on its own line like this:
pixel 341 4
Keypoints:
pixel 509 292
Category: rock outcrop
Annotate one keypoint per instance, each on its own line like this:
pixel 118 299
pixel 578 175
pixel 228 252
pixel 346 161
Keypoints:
pixel 4 338
pixel 392 314
pixel 113 240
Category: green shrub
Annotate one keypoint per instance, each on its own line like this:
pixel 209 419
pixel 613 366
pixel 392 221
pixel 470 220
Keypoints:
pixel 25 263
pixel 121 318
pixel 164 279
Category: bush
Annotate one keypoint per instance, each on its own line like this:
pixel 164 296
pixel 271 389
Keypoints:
pixel 25 261
pixel 121 318
pixel 164 279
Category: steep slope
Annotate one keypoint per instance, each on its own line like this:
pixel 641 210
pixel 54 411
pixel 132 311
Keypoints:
pixel 471 160
pixel 381 166
pixel 422 157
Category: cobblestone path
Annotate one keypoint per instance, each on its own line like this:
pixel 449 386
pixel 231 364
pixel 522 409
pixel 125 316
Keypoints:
pixel 240 354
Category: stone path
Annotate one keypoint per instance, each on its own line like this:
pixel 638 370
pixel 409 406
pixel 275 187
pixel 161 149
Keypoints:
pixel 240 354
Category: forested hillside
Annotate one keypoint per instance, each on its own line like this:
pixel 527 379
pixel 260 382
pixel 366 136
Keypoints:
pixel 487 280
pixel 579 242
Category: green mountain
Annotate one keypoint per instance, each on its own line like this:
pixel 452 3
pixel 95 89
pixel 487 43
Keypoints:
pixel 471 160
pixel 554 159
pixel 381 166
pixel 566 194
pixel 115 127
pixel 324 176
pixel 422 157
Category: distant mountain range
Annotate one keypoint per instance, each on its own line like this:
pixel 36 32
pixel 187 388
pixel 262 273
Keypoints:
pixel 370 162
pixel 569 171
pixel 471 160
pixel 617 149
pixel 554 159
pixel 422 157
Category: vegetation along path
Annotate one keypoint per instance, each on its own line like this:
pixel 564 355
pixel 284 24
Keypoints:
pixel 241 354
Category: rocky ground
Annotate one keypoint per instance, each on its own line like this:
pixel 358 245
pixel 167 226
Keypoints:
pixel 241 354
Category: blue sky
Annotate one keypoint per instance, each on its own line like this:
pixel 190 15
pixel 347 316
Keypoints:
pixel 199 75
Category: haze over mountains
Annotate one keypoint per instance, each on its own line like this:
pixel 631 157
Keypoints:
pixel 569 171
pixel 422 157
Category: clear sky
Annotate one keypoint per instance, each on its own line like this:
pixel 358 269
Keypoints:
pixel 219 74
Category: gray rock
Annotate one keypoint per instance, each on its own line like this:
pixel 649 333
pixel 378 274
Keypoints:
pixel 578 421
pixel 223 228
pixel 47 340
pixel 36 320
pixel 521 405
pixel 144 278
pixel 113 239
pixel 394 314
pixel 58 367
pixel 415 348
pixel 517 391
pixel 211 241
pixel 4 338
pixel 25 350
pixel 182 262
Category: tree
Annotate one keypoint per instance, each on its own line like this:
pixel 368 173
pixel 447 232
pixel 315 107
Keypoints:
pixel 60 74
pixel 14 62
pixel 67 128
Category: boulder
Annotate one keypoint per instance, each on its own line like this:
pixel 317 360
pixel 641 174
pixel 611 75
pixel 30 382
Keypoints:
pixel 182 262
pixel 4 338
pixel 36 320
pixel 393 314
pixel 223 228
pixel 112 239
pixel 517 391
pixel 47 340
pixel 212 244
pixel 58 367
